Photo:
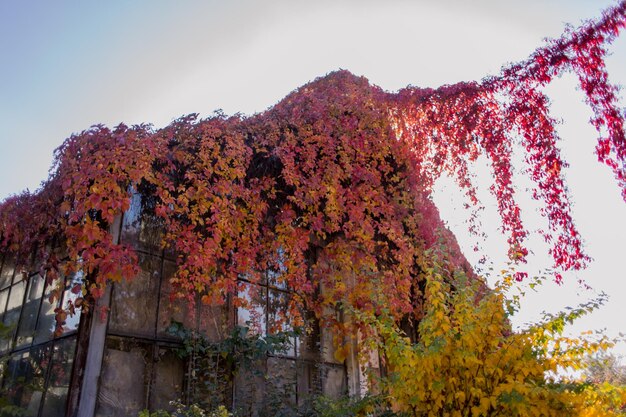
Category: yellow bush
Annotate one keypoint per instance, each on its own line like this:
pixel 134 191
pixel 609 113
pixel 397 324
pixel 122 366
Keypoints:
pixel 468 361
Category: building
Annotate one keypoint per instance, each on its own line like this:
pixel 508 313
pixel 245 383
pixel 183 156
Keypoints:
pixel 124 360
pixel 323 176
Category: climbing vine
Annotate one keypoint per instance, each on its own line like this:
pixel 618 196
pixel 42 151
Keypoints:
pixel 330 188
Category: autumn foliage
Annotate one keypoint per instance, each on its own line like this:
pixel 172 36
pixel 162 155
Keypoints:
pixel 330 188
pixel 468 362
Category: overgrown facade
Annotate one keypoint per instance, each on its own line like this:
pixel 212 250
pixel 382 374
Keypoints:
pixel 314 216
pixel 125 358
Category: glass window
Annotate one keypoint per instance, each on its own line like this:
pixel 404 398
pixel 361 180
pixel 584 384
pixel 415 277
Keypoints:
pixel 278 311
pixel 270 392
pixel 16 299
pixel 248 390
pixel 30 310
pixel 265 311
pixel 253 314
pixel 308 342
pixel 278 318
pixel 140 227
pixel 4 296
pixel 6 274
pixel 171 307
pixel 36 380
pixel 167 384
pixel 213 321
pixel 309 384
pixel 47 322
pixel 59 378
pixel 25 382
pixel 3 370
pixel 275 272
pixel 12 313
pixel 123 379
pixel 281 381
pixel 71 292
pixel 134 305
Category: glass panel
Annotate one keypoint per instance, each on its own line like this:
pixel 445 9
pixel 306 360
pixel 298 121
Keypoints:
pixel 308 343
pixel 30 310
pixel 4 296
pixel 3 370
pixel 7 272
pixel 59 379
pixel 249 389
pixel 170 307
pixel 213 321
pixel 47 323
pixel 253 314
pixel 274 274
pixel 277 318
pixel 11 373
pixel 122 381
pixel 277 311
pixel 280 395
pixel 12 314
pixel 141 229
pixel 134 306
pixel 309 382
pixel 16 298
pixel 70 294
pixel 168 380
pixel 25 379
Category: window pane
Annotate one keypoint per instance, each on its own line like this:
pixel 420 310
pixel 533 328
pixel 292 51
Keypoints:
pixel 122 381
pixel 170 307
pixel 280 396
pixel 3 370
pixel 25 380
pixel 47 322
pixel 253 314
pixel 249 389
pixel 275 273
pixel 278 312
pixel 278 318
pixel 16 298
pixel 72 283
pixel 4 296
pixel 168 380
pixel 309 382
pixel 7 272
pixel 308 342
pixel 134 306
pixel 12 314
pixel 59 378
pixel 132 220
pixel 213 321
pixel 141 229
pixel 30 310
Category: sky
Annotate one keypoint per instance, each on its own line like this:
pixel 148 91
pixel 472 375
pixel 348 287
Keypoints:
pixel 67 65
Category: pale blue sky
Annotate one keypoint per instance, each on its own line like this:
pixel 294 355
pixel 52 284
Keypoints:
pixel 66 65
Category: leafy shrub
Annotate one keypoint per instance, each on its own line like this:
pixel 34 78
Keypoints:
pixel 468 361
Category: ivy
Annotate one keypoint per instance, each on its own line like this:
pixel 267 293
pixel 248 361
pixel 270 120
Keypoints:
pixel 337 178
pixel 214 365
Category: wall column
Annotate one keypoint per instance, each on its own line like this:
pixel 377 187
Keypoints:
pixel 97 339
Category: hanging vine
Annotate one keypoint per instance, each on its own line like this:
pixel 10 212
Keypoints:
pixel 331 187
